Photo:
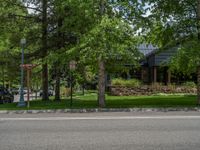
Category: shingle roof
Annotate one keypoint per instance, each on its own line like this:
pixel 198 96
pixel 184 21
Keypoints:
pixel 147 49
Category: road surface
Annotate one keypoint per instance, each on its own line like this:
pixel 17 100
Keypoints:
pixel 101 131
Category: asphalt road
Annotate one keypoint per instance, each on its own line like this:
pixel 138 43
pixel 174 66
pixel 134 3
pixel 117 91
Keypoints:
pixel 101 131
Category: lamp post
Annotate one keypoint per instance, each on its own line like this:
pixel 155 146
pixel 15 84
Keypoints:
pixel 21 100
pixel 72 67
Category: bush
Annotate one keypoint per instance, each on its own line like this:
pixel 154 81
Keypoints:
pixel 64 91
pixel 189 84
pixel 123 82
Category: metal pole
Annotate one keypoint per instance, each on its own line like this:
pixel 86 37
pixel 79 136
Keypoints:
pixel 28 86
pixel 71 89
pixel 3 77
pixel 21 100
pixel 72 66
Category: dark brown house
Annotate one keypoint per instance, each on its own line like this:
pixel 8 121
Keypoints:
pixel 154 68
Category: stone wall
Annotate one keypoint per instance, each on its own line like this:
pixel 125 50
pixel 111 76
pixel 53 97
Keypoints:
pixel 150 90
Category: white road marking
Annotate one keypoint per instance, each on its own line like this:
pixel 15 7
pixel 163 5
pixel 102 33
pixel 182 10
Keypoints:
pixel 99 118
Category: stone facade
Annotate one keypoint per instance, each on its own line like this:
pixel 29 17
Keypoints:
pixel 150 90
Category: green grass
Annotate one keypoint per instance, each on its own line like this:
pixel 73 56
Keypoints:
pixel 89 101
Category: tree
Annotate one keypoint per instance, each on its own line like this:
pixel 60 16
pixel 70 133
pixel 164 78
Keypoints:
pixel 110 39
pixel 100 44
pixel 58 26
pixel 11 30
pixel 69 25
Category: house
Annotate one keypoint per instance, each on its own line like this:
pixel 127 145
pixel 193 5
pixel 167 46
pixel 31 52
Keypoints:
pixel 154 68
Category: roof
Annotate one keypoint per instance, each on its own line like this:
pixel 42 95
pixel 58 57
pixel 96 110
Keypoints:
pixel 163 57
pixel 155 56
pixel 147 49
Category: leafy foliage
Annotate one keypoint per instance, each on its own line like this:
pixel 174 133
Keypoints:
pixel 128 83
pixel 111 39
pixel 171 21
pixel 187 58
pixel 190 84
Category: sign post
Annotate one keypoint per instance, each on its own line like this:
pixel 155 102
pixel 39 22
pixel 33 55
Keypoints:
pixel 28 68
pixel 72 67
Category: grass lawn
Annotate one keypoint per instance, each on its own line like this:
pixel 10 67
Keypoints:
pixel 90 101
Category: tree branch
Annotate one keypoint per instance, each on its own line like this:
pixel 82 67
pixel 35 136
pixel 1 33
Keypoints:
pixel 23 6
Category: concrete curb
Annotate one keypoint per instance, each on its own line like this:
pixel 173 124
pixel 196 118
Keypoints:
pixel 93 110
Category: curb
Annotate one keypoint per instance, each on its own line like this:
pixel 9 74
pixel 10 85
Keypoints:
pixel 96 110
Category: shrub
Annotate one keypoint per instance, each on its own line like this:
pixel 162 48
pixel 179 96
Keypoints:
pixel 64 91
pixel 189 84
pixel 123 82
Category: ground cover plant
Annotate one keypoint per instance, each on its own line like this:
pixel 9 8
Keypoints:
pixel 128 83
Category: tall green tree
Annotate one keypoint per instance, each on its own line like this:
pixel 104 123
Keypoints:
pixel 71 20
pixel 58 26
pixel 11 30
pixel 110 39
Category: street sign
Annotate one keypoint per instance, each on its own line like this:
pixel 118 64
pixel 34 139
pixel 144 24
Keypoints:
pixel 28 66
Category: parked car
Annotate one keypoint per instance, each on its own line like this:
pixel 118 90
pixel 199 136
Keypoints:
pixel 50 92
pixel 14 91
pixel 5 96
pixel 25 90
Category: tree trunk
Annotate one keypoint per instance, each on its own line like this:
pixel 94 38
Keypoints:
pixel 45 95
pixel 101 67
pixel 198 19
pixel 83 89
pixel 102 7
pixel 198 67
pixel 60 44
pixel 57 88
pixel 198 85
pixel 101 84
